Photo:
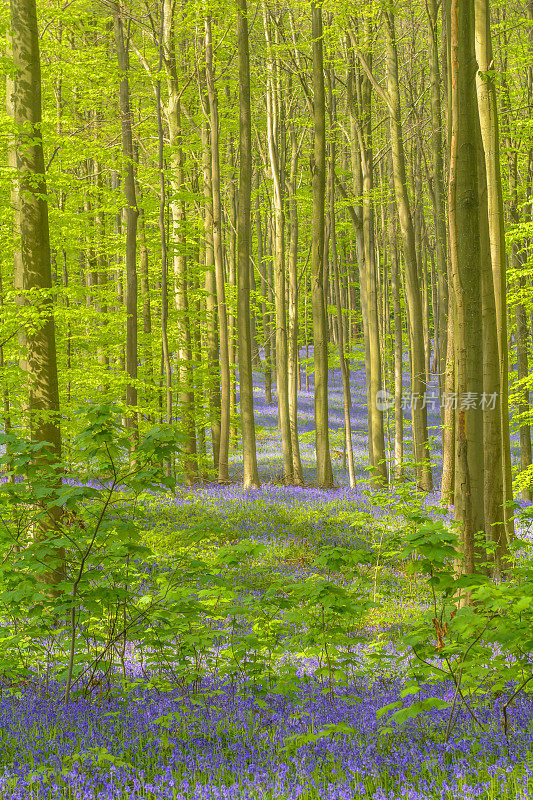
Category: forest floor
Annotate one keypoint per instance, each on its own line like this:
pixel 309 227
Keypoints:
pixel 275 694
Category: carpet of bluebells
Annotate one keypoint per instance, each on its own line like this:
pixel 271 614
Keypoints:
pixel 223 739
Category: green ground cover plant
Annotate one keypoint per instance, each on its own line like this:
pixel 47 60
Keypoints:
pixel 221 643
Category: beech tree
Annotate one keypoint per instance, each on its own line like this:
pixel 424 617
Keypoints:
pixel 33 249
pixel 318 177
pixel 132 213
pixel 251 476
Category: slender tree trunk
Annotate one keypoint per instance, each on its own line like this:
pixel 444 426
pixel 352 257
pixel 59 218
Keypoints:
pixel 34 243
pixel 261 265
pixel 336 280
pixel 270 245
pixel 231 272
pixel 293 313
pixel 223 474
pixel 449 412
pixel 412 283
pixel 213 380
pixel 398 353
pixel 103 271
pixel 437 192
pixel 318 289
pixel 449 417
pixel 488 116
pixel 18 271
pixel 492 436
pixel 524 407
pixel 179 221
pixel 341 348
pixel 466 270
pixel 5 386
pixel 378 458
pixel 275 145
pixel 256 359
pixel 163 243
pixel 146 309
pixel 131 219
pixel 522 357
pixel 251 476
pixel 356 152
pixel 518 251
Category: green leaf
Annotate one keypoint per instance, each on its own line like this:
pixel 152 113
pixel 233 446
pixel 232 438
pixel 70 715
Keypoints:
pixel 403 715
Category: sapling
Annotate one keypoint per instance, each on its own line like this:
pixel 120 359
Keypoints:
pixel 101 575
pixel 483 646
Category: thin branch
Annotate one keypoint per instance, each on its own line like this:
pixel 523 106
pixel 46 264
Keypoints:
pixel 379 89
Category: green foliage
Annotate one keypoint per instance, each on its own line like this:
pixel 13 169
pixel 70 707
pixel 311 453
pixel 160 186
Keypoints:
pixel 75 628
pixel 477 635
pixel 192 614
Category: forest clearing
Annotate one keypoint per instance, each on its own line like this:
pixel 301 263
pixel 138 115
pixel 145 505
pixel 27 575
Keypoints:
pixel 266 333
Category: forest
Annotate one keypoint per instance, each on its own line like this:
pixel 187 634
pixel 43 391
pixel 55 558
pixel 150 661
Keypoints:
pixel 266 336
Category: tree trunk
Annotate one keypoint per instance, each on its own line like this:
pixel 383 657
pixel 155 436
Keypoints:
pixel 378 458
pixel 522 358
pixel 357 155
pixel 18 271
pixel 466 270
pixel 437 193
pixel 488 117
pixel 164 248
pixel 492 433
pixel 103 272
pixel 5 390
pixel 274 137
pixel 146 312
pixel 131 220
pixel 178 214
pixel 449 411
pixel 213 378
pixel 250 476
pixel 223 474
pixel 412 283
pixel 347 402
pixel 32 218
pixel 231 274
pixel 320 333
pixel 293 313
pixel 261 265
pixel 398 353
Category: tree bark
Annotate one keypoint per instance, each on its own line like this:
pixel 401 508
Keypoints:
pixel 398 352
pixel 251 475
pixel 225 384
pixel 213 379
pixel 293 313
pixel 179 221
pixel 274 136
pixel 131 219
pixel 437 192
pixel 318 289
pixel 163 242
pixel 492 433
pixel 412 282
pixel 466 254
pixel 18 271
pixel 32 218
pixel 261 265
pixel 347 402
pixel 357 154
pixel 378 457
pixel 488 117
